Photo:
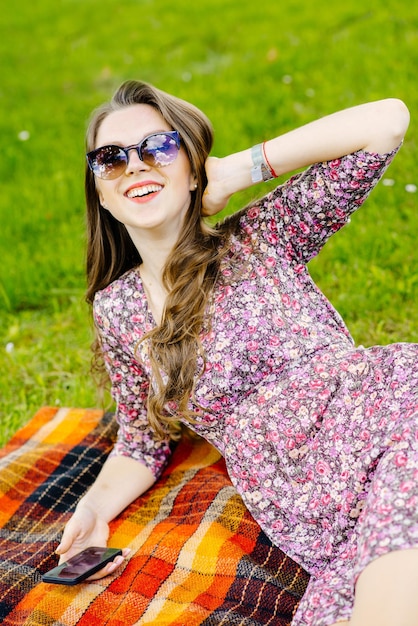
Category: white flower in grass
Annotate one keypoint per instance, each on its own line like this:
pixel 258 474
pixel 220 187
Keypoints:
pixel 411 188
pixel 388 182
pixel 10 346
pixel 24 135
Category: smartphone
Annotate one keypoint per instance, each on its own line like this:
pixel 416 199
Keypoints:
pixel 81 566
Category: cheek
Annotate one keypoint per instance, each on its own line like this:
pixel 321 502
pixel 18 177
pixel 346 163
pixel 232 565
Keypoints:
pixel 103 192
pixel 184 169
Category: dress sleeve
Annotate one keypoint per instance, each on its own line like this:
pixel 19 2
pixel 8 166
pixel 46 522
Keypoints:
pixel 314 204
pixel 129 388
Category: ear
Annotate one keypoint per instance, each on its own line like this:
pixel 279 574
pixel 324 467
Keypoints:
pixel 193 182
pixel 101 199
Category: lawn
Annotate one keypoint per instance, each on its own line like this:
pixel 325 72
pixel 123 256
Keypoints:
pixel 257 71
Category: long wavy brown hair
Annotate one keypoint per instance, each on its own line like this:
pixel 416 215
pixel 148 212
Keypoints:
pixel 190 271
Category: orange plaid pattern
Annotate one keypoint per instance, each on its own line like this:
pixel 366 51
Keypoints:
pixel 198 557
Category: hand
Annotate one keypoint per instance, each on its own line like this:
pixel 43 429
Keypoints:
pixel 216 196
pixel 86 529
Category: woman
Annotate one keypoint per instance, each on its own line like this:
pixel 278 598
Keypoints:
pixel 223 330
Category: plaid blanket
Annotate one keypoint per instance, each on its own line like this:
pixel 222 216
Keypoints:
pixel 197 555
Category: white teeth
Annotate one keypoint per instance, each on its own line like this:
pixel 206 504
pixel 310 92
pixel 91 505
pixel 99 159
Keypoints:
pixel 143 191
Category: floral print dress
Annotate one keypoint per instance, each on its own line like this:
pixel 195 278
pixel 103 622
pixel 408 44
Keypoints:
pixel 320 437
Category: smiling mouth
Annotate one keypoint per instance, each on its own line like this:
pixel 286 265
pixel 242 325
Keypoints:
pixel 140 192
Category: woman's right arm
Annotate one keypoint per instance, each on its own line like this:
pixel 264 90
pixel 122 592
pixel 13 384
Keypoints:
pixel 138 456
pixel 120 481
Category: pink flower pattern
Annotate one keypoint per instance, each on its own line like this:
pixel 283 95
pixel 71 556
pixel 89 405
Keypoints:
pixel 320 436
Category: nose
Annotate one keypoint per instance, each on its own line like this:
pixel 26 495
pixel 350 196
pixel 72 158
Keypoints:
pixel 135 164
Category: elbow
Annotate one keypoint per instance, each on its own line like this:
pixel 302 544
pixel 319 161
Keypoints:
pixel 397 120
pixel 387 125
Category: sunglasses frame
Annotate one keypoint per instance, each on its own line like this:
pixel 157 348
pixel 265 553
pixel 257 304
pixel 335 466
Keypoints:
pixel 90 156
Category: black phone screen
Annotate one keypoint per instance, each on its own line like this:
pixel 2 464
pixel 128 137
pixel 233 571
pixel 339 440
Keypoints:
pixel 81 566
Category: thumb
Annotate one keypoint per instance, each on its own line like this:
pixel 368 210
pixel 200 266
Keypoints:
pixel 68 537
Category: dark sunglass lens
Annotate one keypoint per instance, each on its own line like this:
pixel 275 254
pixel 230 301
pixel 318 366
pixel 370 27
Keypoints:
pixel 108 162
pixel 159 150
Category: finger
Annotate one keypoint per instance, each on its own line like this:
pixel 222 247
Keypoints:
pixel 206 208
pixel 110 568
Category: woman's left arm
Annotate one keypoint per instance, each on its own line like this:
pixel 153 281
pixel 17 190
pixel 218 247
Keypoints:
pixel 375 127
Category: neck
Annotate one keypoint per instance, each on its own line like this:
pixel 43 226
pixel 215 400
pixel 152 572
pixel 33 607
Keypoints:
pixel 154 249
pixel 154 255
pixel 154 252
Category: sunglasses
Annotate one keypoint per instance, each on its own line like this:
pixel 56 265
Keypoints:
pixel 156 150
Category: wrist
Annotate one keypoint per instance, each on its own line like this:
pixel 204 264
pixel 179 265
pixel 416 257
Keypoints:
pixel 246 168
pixel 261 170
pixel 226 176
pixel 94 506
pixel 235 172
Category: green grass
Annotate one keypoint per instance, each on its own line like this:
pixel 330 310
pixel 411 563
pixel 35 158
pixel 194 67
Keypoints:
pixel 256 70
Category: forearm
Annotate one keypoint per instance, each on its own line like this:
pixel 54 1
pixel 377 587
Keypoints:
pixel 120 481
pixel 376 127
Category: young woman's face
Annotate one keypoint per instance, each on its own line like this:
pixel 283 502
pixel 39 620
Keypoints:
pixel 146 199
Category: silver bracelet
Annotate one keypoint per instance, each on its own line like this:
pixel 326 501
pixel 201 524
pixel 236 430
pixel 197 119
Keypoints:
pixel 260 170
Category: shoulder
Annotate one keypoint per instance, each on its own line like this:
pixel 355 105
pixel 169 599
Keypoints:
pixel 124 286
